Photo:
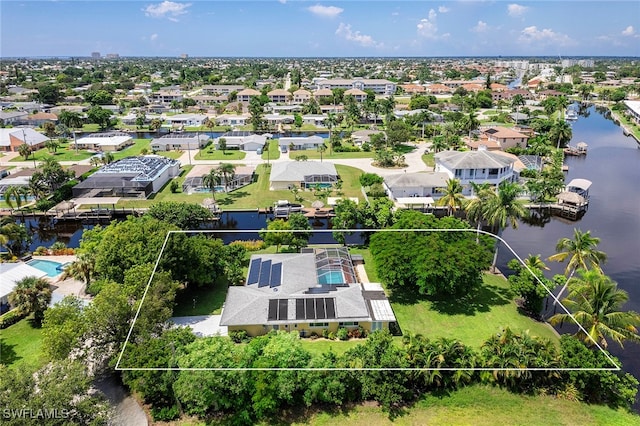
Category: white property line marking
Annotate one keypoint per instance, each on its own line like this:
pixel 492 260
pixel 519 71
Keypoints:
pixel 257 231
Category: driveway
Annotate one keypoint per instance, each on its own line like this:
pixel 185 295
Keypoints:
pixel 203 325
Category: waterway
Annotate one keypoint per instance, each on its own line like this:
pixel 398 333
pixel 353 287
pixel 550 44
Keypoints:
pixel 612 164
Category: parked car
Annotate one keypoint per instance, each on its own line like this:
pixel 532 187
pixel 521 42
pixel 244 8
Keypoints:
pixel 259 151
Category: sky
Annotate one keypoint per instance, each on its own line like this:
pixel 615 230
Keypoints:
pixel 296 28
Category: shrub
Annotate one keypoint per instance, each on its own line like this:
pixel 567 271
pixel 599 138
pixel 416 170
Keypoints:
pixel 313 336
pixel 355 333
pixel 325 333
pixel 10 318
pixel 44 205
pixel 165 414
pixel 41 251
pixel 239 336
pixel 343 334
pixel 173 186
pixel 377 191
pixel 253 245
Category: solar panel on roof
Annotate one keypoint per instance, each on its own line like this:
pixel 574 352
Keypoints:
pixel 283 309
pixel 265 274
pixel 320 310
pixel 276 275
pixel 300 309
pixel 273 310
pixel 254 271
pixel 331 308
pixel 310 309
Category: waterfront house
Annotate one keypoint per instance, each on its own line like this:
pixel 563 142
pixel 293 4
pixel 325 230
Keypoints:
pixel 301 174
pixel 481 166
pixel 307 292
pixel 422 184
pixel 245 95
pixel 243 175
pixel 12 138
pixel 183 120
pixel 180 142
pixel 301 96
pixel 633 109
pixel 498 138
pixel 10 275
pixel 129 177
pixel 301 143
pixel 112 141
pixel 279 96
pixel 242 140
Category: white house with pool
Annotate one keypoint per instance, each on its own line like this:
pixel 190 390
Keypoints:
pixel 309 292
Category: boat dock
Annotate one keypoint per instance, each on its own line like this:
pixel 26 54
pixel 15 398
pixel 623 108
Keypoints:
pixel 579 149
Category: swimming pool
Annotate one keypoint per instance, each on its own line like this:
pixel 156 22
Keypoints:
pixel 51 268
pixel 330 277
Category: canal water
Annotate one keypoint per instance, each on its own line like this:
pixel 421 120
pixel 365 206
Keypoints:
pixel 612 164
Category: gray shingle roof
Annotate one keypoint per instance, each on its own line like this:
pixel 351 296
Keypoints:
pixel 435 179
pixel 480 159
pixel 297 170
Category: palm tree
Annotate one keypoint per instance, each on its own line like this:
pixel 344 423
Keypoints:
pixel 452 196
pixel 82 268
pixel 95 161
pixel 211 180
pixel 476 208
pixel 582 254
pixel 25 151
pixel 38 186
pixel 17 194
pixel 439 143
pixel 533 261
pixel 561 132
pixel 331 121
pixel 321 149
pixel 594 300
pixel 31 295
pixel 516 102
pixel 503 209
pixel 228 172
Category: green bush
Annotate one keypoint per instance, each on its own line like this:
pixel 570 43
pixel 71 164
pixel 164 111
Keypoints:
pixel 239 336
pixel 343 334
pixel 10 318
pixel 332 335
pixel 325 333
pixel 41 251
pixel 45 205
pixel 165 414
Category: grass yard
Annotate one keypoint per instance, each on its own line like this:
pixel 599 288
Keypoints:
pixel 136 149
pixel 474 405
pixel 273 153
pixel 201 301
pixel 171 154
pixel 20 345
pixel 65 152
pixel 319 346
pixel 211 153
pixel 429 159
pixel 471 321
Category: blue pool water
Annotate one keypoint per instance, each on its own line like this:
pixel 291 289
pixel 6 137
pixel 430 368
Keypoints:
pixel 218 189
pixel 49 267
pixel 330 277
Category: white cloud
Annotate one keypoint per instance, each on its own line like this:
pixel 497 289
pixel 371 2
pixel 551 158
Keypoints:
pixel 629 31
pixel 153 37
pixel 167 9
pixel 427 27
pixel 325 11
pixel 481 27
pixel 545 36
pixel 283 1
pixel 443 9
pixel 516 10
pixel 344 30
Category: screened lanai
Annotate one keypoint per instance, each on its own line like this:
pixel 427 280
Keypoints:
pixel 334 266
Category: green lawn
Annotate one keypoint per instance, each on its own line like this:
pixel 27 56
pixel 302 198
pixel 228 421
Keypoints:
pixel 204 301
pixel 628 124
pixel 274 151
pixel 136 149
pixel 211 153
pixel 171 154
pixel 474 405
pixel 20 345
pixel 429 159
pixel 471 321
pixel 253 196
pixel 319 346
pixel 65 152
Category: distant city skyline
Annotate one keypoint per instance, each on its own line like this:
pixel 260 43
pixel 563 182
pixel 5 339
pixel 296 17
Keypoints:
pixel 294 28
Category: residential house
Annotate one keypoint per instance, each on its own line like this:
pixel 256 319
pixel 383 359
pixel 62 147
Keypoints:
pixel 279 96
pixel 186 120
pixel 194 181
pixel 317 120
pixel 359 95
pixel 12 138
pixel 633 109
pixel 166 97
pixel 481 166
pixel 39 118
pixel 422 184
pixel 274 120
pixel 13 117
pixel 180 142
pixel 245 95
pixel 307 292
pixel 301 143
pixel 136 177
pixel 220 89
pixel 322 93
pixel 231 120
pixel 499 138
pixel 378 86
pixel 302 174
pixel 111 141
pixel 439 89
pixel 301 96
pixel 244 141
